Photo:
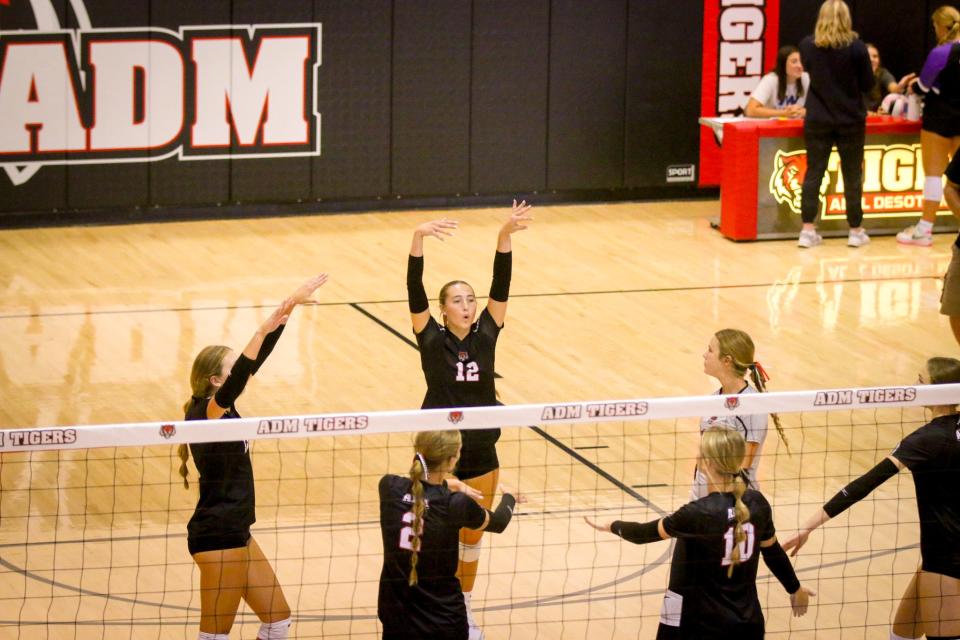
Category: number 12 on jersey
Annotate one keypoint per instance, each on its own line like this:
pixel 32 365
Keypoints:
pixel 746 547
pixel 469 372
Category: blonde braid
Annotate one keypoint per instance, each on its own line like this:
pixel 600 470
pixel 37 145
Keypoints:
pixel 742 515
pixel 416 473
pixel 184 452
pixel 761 386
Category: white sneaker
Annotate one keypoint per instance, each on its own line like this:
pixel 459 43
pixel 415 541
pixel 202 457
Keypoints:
pixel 474 630
pixel 809 239
pixel 858 238
pixel 912 235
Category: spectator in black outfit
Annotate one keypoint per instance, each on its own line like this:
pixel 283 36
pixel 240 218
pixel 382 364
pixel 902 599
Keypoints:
pixel 840 72
pixel 232 565
pixel 932 453
pixel 713 574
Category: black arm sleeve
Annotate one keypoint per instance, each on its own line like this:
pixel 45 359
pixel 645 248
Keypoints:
pixel 636 532
pixel 500 518
pixel 779 565
pixel 860 488
pixel 416 294
pixel 269 342
pixel 233 386
pixel 502 271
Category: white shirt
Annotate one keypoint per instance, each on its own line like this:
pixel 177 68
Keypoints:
pixel 766 92
pixel 753 428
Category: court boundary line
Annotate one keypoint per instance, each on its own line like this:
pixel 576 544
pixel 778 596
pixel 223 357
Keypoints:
pixel 543 294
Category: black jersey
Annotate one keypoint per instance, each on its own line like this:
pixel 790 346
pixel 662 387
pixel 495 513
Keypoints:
pixel 434 607
pixel 460 373
pixel 932 453
pixel 702 601
pixel 227 503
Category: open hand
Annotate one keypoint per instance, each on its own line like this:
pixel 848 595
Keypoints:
pixel 599 526
pixel 796 541
pixel 518 217
pixel 437 228
pixel 800 600
pixel 304 292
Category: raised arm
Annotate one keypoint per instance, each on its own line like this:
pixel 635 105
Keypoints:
pixel 246 362
pixel 503 262
pixel 302 295
pixel 416 294
pixel 848 496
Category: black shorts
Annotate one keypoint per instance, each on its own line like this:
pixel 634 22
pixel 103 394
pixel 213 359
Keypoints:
pixel 218 541
pixel 478 455
pixel 941 567
pixel 953 169
pixel 941 120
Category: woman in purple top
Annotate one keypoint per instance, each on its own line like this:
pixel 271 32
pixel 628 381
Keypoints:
pixel 939 83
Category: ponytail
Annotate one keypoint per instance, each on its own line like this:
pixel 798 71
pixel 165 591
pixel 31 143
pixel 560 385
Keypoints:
pixel 183 451
pixel 759 378
pixel 418 472
pixel 742 515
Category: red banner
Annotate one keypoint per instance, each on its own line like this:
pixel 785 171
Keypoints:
pixel 740 41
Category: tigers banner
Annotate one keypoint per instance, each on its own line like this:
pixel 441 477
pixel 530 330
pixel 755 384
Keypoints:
pixel 739 45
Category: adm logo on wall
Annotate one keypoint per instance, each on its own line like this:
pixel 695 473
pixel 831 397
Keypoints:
pixel 140 94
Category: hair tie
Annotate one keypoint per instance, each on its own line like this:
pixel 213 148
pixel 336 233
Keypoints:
pixel 423 463
pixel 763 373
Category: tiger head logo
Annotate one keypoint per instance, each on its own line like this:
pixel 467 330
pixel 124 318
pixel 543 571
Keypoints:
pixel 731 403
pixel 168 431
pixel 786 181
pixel 455 417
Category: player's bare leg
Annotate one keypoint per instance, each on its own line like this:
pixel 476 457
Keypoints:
pixel 223 575
pixel 470 545
pixel 265 596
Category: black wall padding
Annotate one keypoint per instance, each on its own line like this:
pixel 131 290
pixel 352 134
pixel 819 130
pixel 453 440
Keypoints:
pixel 354 94
pixel 587 82
pixel 664 68
pixel 431 97
pixel 508 107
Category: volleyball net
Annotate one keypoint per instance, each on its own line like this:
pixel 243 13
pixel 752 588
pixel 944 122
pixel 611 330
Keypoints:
pixel 93 518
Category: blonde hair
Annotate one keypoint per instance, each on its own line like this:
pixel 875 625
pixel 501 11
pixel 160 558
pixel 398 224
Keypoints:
pixel 208 363
pixel 738 346
pixel 948 18
pixel 834 28
pixel 436 447
pixel 724 449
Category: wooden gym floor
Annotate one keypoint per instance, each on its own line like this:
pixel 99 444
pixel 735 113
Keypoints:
pixel 100 325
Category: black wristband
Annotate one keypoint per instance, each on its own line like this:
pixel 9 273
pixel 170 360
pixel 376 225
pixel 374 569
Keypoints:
pixel 502 271
pixel 860 488
pixel 269 342
pixel 233 386
pixel 779 565
pixel 636 532
pixel 416 294
pixel 500 518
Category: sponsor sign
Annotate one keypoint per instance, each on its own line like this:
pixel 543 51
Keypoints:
pixel 740 40
pixel 892 185
pixel 681 173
